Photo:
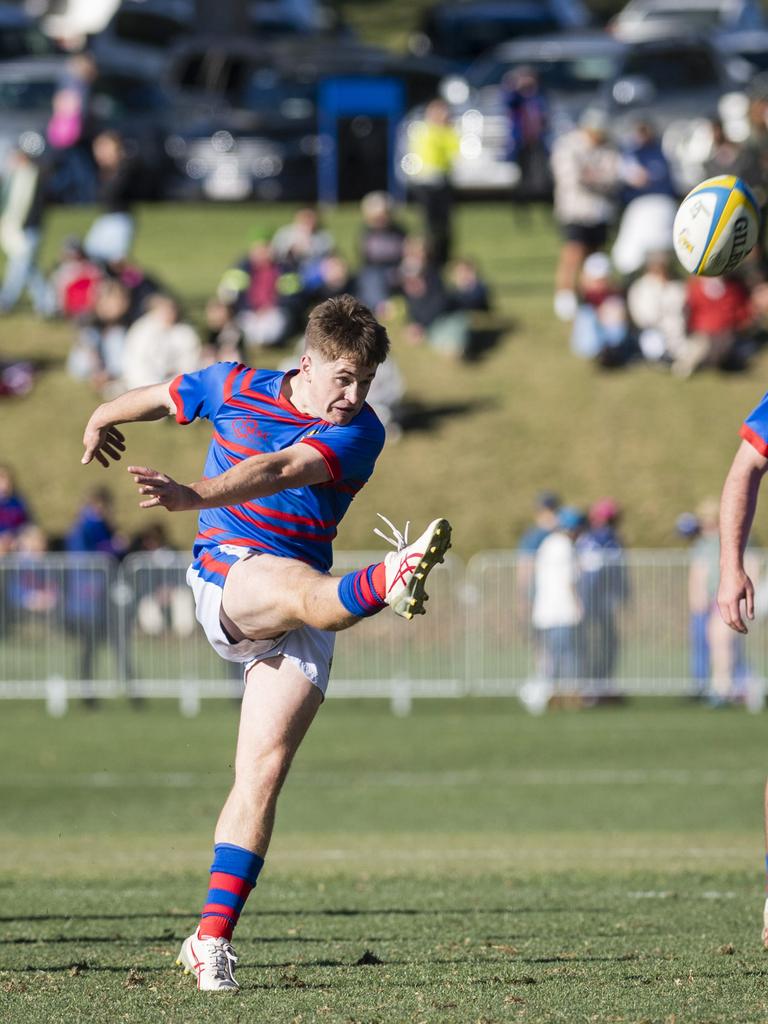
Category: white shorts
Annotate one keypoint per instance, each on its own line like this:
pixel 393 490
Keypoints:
pixel 310 649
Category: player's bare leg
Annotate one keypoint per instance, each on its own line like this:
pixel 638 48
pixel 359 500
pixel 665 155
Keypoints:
pixel 265 595
pixel 278 707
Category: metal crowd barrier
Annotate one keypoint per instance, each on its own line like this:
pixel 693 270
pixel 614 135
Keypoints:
pixel 82 627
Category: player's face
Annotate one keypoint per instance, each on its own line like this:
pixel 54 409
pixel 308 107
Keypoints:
pixel 338 388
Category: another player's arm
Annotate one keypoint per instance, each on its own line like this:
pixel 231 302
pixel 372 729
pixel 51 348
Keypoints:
pixel 737 511
pixel 103 441
pixel 256 477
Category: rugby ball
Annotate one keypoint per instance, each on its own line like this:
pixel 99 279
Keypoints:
pixel 716 226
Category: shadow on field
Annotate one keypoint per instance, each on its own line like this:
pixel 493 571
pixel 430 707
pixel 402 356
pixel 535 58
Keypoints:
pixel 418 415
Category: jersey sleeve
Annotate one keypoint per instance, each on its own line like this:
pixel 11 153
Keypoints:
pixel 200 395
pixel 350 452
pixel 755 427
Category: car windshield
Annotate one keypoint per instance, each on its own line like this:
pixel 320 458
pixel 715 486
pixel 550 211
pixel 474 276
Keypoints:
pixel 27 95
pixel 114 96
pixel 572 74
pixel 460 36
pixel 673 70
pixel 266 91
pixel 147 29
pixel 694 18
pixel 24 42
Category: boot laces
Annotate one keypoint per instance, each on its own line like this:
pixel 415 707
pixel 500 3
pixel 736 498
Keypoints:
pixel 222 959
pixel 397 540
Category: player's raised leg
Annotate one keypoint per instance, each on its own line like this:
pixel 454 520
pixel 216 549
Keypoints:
pixel 265 595
pixel 277 709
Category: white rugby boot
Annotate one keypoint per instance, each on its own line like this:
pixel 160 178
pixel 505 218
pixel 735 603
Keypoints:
pixel 212 961
pixel 406 569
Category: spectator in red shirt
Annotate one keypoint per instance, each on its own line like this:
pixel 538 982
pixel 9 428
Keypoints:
pixel 720 320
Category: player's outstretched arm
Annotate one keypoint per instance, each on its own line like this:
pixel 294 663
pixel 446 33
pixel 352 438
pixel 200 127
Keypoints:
pixel 736 594
pixel 103 441
pixel 255 477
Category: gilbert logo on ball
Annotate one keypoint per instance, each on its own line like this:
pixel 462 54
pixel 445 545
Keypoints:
pixel 716 226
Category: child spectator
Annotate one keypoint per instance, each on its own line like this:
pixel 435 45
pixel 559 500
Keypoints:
pixel 720 318
pixel 601 328
pixel 14 515
pixel 303 243
pixel 252 287
pixel 656 303
pixel 225 340
pixel 74 281
pixel 466 289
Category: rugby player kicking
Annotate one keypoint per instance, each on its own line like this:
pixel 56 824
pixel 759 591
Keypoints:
pixel 736 594
pixel 289 452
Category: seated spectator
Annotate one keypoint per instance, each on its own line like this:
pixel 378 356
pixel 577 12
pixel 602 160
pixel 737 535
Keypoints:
pixel 140 284
pixel 720 325
pixel 656 303
pixel 97 352
pixel 14 514
pixel 303 242
pixel 466 289
pixel 74 280
pixel 382 242
pixel 601 328
pixel 253 288
pixel 334 278
pixel 159 345
pixel 225 341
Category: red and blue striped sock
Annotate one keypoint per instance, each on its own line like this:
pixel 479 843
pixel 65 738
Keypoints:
pixel 233 874
pixel 362 592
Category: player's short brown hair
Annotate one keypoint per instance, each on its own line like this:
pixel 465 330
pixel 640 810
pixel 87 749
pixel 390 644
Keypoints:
pixel 342 328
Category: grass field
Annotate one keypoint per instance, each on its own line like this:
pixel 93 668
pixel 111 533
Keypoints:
pixel 601 866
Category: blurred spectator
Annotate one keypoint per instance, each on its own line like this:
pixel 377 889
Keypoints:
pixel 110 237
pixel 14 514
pixel 252 287
pixel 601 328
pixel 33 590
pixel 21 220
pixel 163 601
pixel 74 280
pixel 435 144
pixel 88 582
pixel 97 354
pixel 302 243
pixel 527 133
pixel 428 308
pixel 546 507
pixel 604 588
pixel 689 528
pixel 702 593
pixel 644 168
pixel 727 156
pixel 333 278
pixel 159 345
pixel 69 132
pixel 755 154
pixel 720 320
pixel 557 610
pixel 382 242
pixel 585 167
pixel 648 198
pixel 466 289
pixel 656 303
pixel 225 340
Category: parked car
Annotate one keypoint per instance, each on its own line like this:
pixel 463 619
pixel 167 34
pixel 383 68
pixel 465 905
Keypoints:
pixel 137 105
pixel 672 82
pixel 460 30
pixel 20 36
pixel 643 18
pixel 259 135
pixel 140 33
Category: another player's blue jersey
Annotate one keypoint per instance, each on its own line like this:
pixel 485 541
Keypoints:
pixel 249 417
pixel 755 427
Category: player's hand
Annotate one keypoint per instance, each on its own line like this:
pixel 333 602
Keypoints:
pixel 102 444
pixel 163 491
pixel 736 587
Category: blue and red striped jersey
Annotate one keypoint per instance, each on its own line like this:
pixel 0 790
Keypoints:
pixel 755 427
pixel 249 417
